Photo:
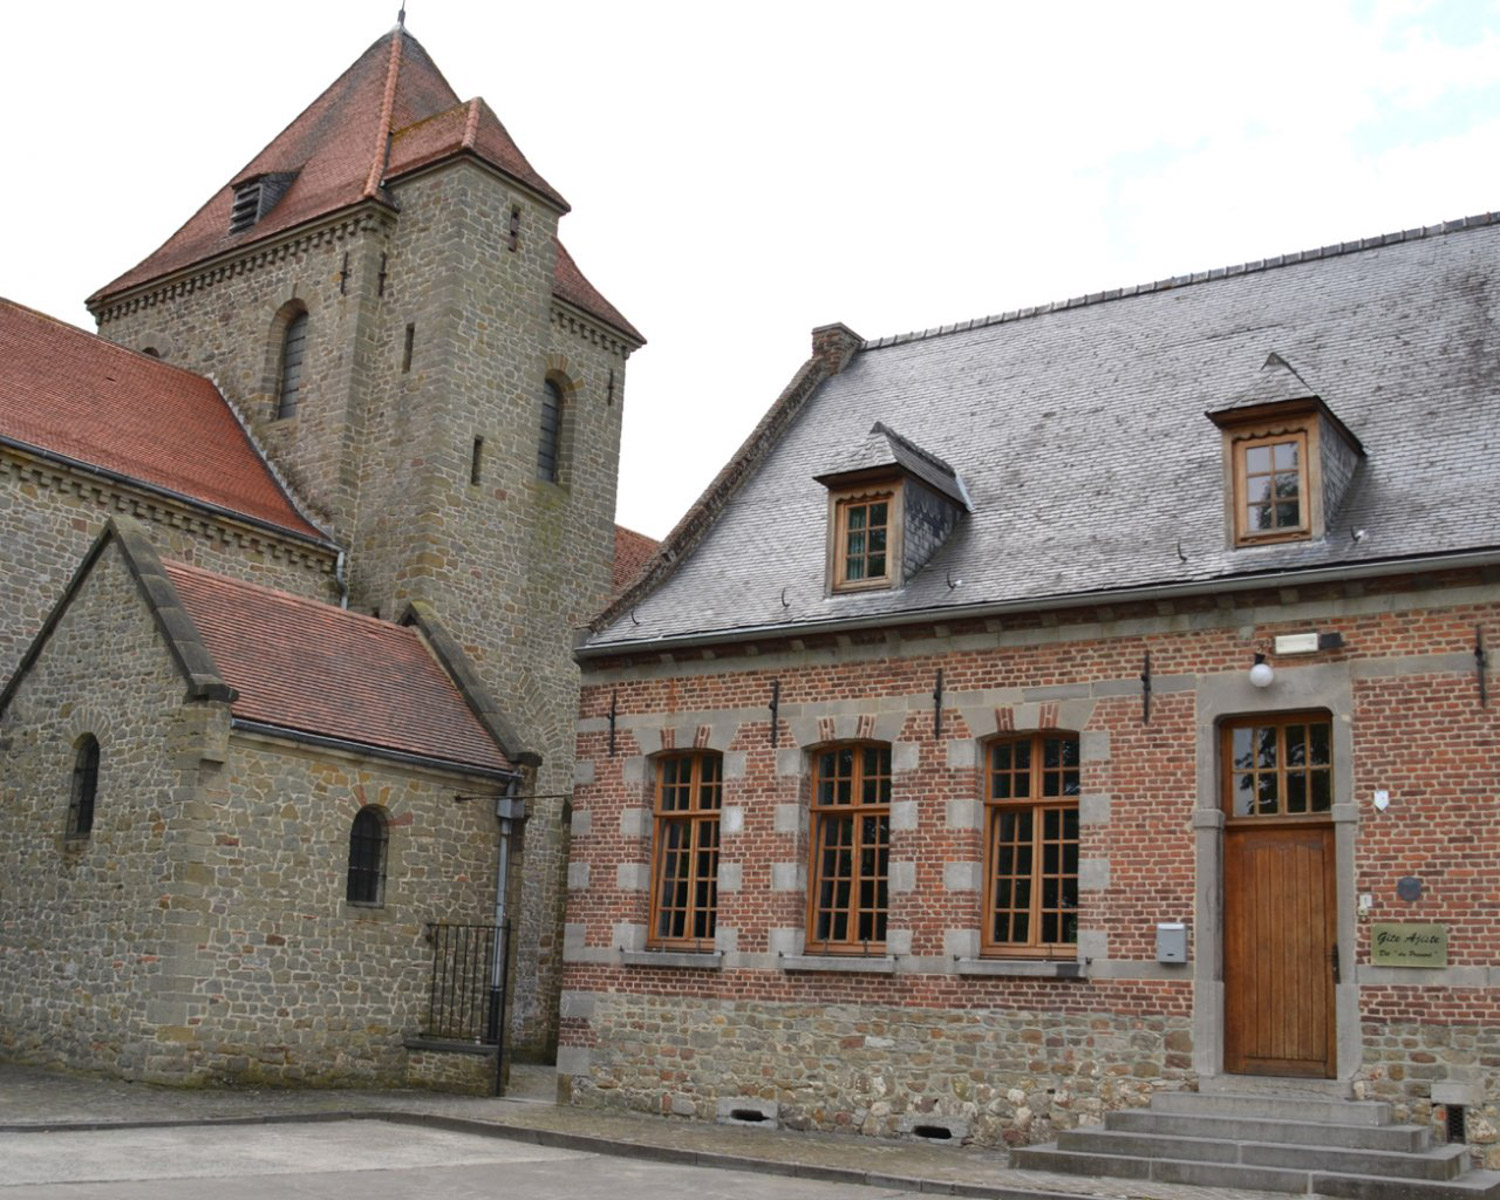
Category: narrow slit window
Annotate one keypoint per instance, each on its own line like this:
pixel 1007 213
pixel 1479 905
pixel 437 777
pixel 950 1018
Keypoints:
pixel 549 445
pixel 411 338
pixel 476 462
pixel 293 347
pixel 515 227
pixel 85 788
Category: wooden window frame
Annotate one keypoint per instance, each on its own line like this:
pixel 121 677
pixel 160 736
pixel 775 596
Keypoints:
pixel 840 504
pixel 1288 421
pixel 691 833
pixel 1279 721
pixel 1036 803
pixel 865 915
pixel 369 851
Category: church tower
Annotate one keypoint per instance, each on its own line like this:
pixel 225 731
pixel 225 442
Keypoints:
pixel 382 295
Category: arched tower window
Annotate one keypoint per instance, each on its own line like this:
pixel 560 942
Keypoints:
pixel 85 787
pixel 367 846
pixel 549 446
pixel 293 344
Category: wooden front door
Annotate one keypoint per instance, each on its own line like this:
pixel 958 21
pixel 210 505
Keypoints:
pixel 1280 907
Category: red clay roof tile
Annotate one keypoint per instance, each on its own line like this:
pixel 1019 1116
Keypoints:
pixel 632 549
pixel 569 284
pixel 302 665
pixel 337 148
pixel 72 394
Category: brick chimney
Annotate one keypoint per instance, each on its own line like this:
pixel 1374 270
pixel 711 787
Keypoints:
pixel 834 345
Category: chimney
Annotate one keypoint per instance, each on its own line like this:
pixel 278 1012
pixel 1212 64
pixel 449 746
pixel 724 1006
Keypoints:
pixel 834 345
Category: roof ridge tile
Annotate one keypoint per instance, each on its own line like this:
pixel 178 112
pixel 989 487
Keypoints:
pixel 1290 258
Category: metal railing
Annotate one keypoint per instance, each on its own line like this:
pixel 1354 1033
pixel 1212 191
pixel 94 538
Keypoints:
pixel 470 968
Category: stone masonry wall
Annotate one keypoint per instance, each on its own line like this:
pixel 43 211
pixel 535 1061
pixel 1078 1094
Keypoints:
pixel 200 932
pixel 681 1033
pixel 50 516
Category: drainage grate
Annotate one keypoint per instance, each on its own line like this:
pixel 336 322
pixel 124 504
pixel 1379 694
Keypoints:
pixel 1455 1123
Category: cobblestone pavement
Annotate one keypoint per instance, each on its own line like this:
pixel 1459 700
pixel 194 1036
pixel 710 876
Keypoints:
pixel 35 1099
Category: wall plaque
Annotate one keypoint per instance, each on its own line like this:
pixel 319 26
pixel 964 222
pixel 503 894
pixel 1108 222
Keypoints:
pixel 1405 944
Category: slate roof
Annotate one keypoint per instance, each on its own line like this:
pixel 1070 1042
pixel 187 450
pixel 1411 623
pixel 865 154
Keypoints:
pixel 1079 430
pixel 71 394
pixel 394 100
pixel 305 666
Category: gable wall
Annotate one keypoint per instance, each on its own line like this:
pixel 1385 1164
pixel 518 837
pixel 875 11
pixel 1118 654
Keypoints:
pixel 1011 1056
pixel 88 936
pixel 50 516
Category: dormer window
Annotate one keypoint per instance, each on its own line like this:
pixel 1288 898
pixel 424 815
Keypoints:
pixel 1287 459
pixel 891 505
pixel 254 198
pixel 866 538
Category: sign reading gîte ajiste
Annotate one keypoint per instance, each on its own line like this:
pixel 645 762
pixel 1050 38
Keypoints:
pixel 1402 944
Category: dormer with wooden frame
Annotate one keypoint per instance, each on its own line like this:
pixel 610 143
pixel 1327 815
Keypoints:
pixel 891 505
pixel 1288 460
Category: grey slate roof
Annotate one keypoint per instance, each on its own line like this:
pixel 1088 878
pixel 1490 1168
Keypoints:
pixel 1079 432
pixel 886 448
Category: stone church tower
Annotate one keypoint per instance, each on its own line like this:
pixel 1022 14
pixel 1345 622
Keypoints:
pixel 382 295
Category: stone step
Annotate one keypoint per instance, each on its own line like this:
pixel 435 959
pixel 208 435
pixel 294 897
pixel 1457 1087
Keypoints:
pixel 1311 1110
pixel 1248 1129
pixel 1443 1162
pixel 1476 1185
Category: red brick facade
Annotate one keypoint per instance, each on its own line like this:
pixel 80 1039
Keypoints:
pixel 926 1029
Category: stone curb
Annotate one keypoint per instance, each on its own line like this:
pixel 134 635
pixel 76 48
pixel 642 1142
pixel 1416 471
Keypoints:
pixel 555 1140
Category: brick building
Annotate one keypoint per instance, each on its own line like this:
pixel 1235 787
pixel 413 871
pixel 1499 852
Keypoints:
pixel 365 373
pixel 1047 712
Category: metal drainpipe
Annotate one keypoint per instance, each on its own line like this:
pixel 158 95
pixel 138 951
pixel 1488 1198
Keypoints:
pixel 509 808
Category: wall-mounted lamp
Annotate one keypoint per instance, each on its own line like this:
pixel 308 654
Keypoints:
pixel 1261 674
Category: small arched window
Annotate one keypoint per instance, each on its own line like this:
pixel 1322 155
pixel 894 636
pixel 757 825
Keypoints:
pixel 549 446
pixel 293 343
pixel 85 787
pixel 367 844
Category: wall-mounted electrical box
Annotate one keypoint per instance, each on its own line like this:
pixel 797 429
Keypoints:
pixel 1171 942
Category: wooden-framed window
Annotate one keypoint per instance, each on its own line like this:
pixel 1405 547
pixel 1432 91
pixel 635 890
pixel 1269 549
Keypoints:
pixel 864 539
pixel 1278 766
pixel 293 347
pixel 367 852
pixel 549 444
pixel 1031 846
pixel 85 788
pixel 685 857
pixel 1271 500
pixel 851 833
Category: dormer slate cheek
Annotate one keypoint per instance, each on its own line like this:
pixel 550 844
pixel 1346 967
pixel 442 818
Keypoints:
pixel 891 506
pixel 1288 462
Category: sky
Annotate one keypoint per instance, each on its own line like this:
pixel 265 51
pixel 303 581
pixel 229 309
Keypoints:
pixel 740 174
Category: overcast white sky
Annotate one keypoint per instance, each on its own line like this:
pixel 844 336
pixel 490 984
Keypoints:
pixel 742 173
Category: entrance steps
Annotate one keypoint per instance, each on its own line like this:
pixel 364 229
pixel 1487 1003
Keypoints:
pixel 1304 1142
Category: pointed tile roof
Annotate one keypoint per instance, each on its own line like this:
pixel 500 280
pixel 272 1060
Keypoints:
pixel 307 667
pixel 885 449
pixel 72 395
pixel 392 100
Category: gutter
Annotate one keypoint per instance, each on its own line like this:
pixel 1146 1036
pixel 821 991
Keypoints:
pixel 1242 583
pixel 365 749
pixel 155 489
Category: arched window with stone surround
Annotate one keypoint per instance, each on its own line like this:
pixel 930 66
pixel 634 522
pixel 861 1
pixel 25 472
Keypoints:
pixel 85 787
pixel 293 347
pixel 367 852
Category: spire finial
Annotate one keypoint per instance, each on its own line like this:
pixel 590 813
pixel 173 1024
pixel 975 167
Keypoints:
pixel 401 17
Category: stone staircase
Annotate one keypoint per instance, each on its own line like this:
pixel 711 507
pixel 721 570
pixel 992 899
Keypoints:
pixel 1299 1144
